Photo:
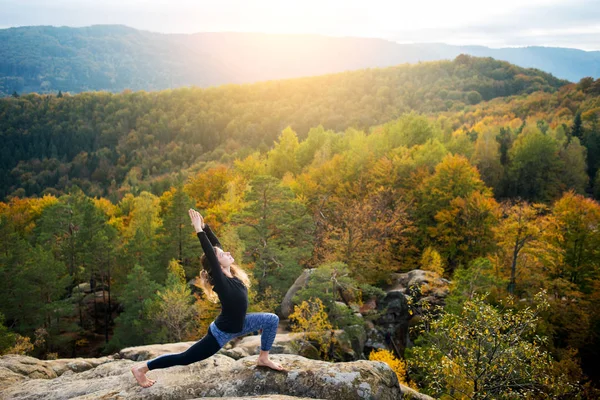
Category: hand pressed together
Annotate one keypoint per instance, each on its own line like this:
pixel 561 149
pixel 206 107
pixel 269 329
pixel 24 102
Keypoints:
pixel 197 220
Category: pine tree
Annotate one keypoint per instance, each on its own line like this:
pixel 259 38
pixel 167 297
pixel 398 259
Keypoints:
pixel 577 127
pixel 277 233
pixel 177 240
pixel 134 327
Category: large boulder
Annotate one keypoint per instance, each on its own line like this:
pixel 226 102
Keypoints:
pixel 287 305
pixel 393 321
pixel 218 376
pixel 421 284
pixel 16 368
pixel 418 285
pixel 346 347
pixel 141 353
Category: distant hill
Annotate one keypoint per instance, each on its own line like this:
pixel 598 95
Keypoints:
pixel 47 59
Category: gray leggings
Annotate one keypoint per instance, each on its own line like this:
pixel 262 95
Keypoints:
pixel 215 339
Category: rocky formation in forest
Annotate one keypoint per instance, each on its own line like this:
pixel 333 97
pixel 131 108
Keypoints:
pixel 219 376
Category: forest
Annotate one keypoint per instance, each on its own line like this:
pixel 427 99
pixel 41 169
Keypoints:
pixel 480 171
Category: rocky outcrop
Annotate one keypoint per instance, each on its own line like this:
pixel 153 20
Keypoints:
pixel 218 376
pixel 393 324
pixel 423 285
pixel 345 347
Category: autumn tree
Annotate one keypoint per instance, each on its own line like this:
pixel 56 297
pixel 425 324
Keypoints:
pixel 311 318
pixel 484 352
pixel 207 188
pixel 369 235
pixel 454 190
pixel 397 365
pixel 464 230
pixel 522 232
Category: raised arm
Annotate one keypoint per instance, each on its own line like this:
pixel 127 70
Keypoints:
pixel 211 236
pixel 216 273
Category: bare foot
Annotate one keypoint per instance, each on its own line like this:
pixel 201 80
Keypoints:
pixel 139 371
pixel 270 364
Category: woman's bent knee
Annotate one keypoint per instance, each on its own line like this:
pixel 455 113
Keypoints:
pixel 273 319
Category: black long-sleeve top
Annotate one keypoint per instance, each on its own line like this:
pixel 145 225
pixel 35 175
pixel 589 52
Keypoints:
pixel 232 293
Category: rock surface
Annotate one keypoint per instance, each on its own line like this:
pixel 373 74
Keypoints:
pixel 423 283
pixel 218 376
pixel 295 343
pixel 422 286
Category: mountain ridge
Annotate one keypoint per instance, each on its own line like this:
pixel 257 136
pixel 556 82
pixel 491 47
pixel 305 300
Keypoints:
pixel 46 59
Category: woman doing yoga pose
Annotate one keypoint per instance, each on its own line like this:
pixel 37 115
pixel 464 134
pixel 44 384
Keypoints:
pixel 219 275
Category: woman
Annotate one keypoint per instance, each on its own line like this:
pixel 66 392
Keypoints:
pixel 219 275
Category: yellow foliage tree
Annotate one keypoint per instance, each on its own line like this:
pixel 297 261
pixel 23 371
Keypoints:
pixel 432 261
pixel 526 240
pixel 282 158
pixel 311 319
pixel 208 188
pixel 397 365
pixel 464 229
pixel 251 166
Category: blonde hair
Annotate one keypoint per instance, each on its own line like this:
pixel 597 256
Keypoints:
pixel 204 281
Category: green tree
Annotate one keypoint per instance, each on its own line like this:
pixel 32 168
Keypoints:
pixel 277 234
pixel 174 311
pixel 535 167
pixel 134 326
pixel 477 278
pixel 140 236
pixel 332 282
pixel 474 97
pixel 177 240
pixel 7 338
pixel 574 175
pixel 483 352
pixel 317 137
pixel 410 130
pixel 282 158
pixel 591 141
pixel 34 284
pixel 577 127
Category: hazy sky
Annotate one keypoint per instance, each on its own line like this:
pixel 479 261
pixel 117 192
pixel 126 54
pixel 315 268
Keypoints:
pixel 498 23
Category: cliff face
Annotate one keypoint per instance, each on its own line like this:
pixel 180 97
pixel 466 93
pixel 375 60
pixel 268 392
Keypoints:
pixel 219 376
